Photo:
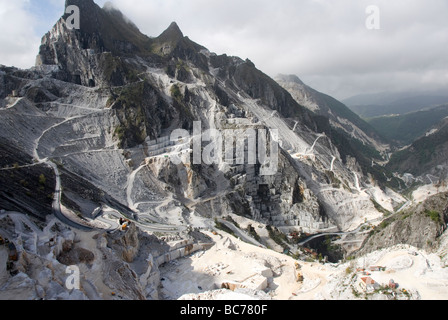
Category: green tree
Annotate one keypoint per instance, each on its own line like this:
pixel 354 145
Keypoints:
pixel 42 179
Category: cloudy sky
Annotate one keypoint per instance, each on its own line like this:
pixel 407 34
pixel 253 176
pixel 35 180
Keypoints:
pixel 325 42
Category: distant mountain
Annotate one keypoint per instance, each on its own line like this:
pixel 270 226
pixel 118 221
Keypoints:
pixel 353 136
pixel 428 154
pixel 340 116
pixel 379 104
pixel 404 129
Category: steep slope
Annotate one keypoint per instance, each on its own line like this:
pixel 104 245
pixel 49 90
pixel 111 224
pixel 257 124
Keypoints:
pixel 25 188
pixel 340 115
pixel 95 55
pixel 406 128
pixel 420 226
pixel 348 132
pixel 426 155
pixel 88 56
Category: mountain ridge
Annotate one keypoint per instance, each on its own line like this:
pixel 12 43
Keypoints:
pixel 373 105
pixel 406 128
pixel 328 106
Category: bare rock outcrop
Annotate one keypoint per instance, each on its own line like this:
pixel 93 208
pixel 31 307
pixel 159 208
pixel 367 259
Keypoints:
pixel 420 226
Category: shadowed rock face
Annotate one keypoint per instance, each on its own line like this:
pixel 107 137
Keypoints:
pixel 93 55
pixel 24 189
pixel 88 56
pixel 106 29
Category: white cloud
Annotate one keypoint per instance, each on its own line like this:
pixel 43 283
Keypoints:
pixel 325 43
pixel 18 42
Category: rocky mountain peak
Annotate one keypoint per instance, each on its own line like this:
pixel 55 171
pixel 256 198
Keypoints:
pixel 82 4
pixel 172 33
pixel 89 14
pixel 91 54
pixel 289 78
pixel 102 29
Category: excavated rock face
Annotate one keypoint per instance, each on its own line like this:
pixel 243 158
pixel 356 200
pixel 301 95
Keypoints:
pixel 73 255
pixel 126 243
